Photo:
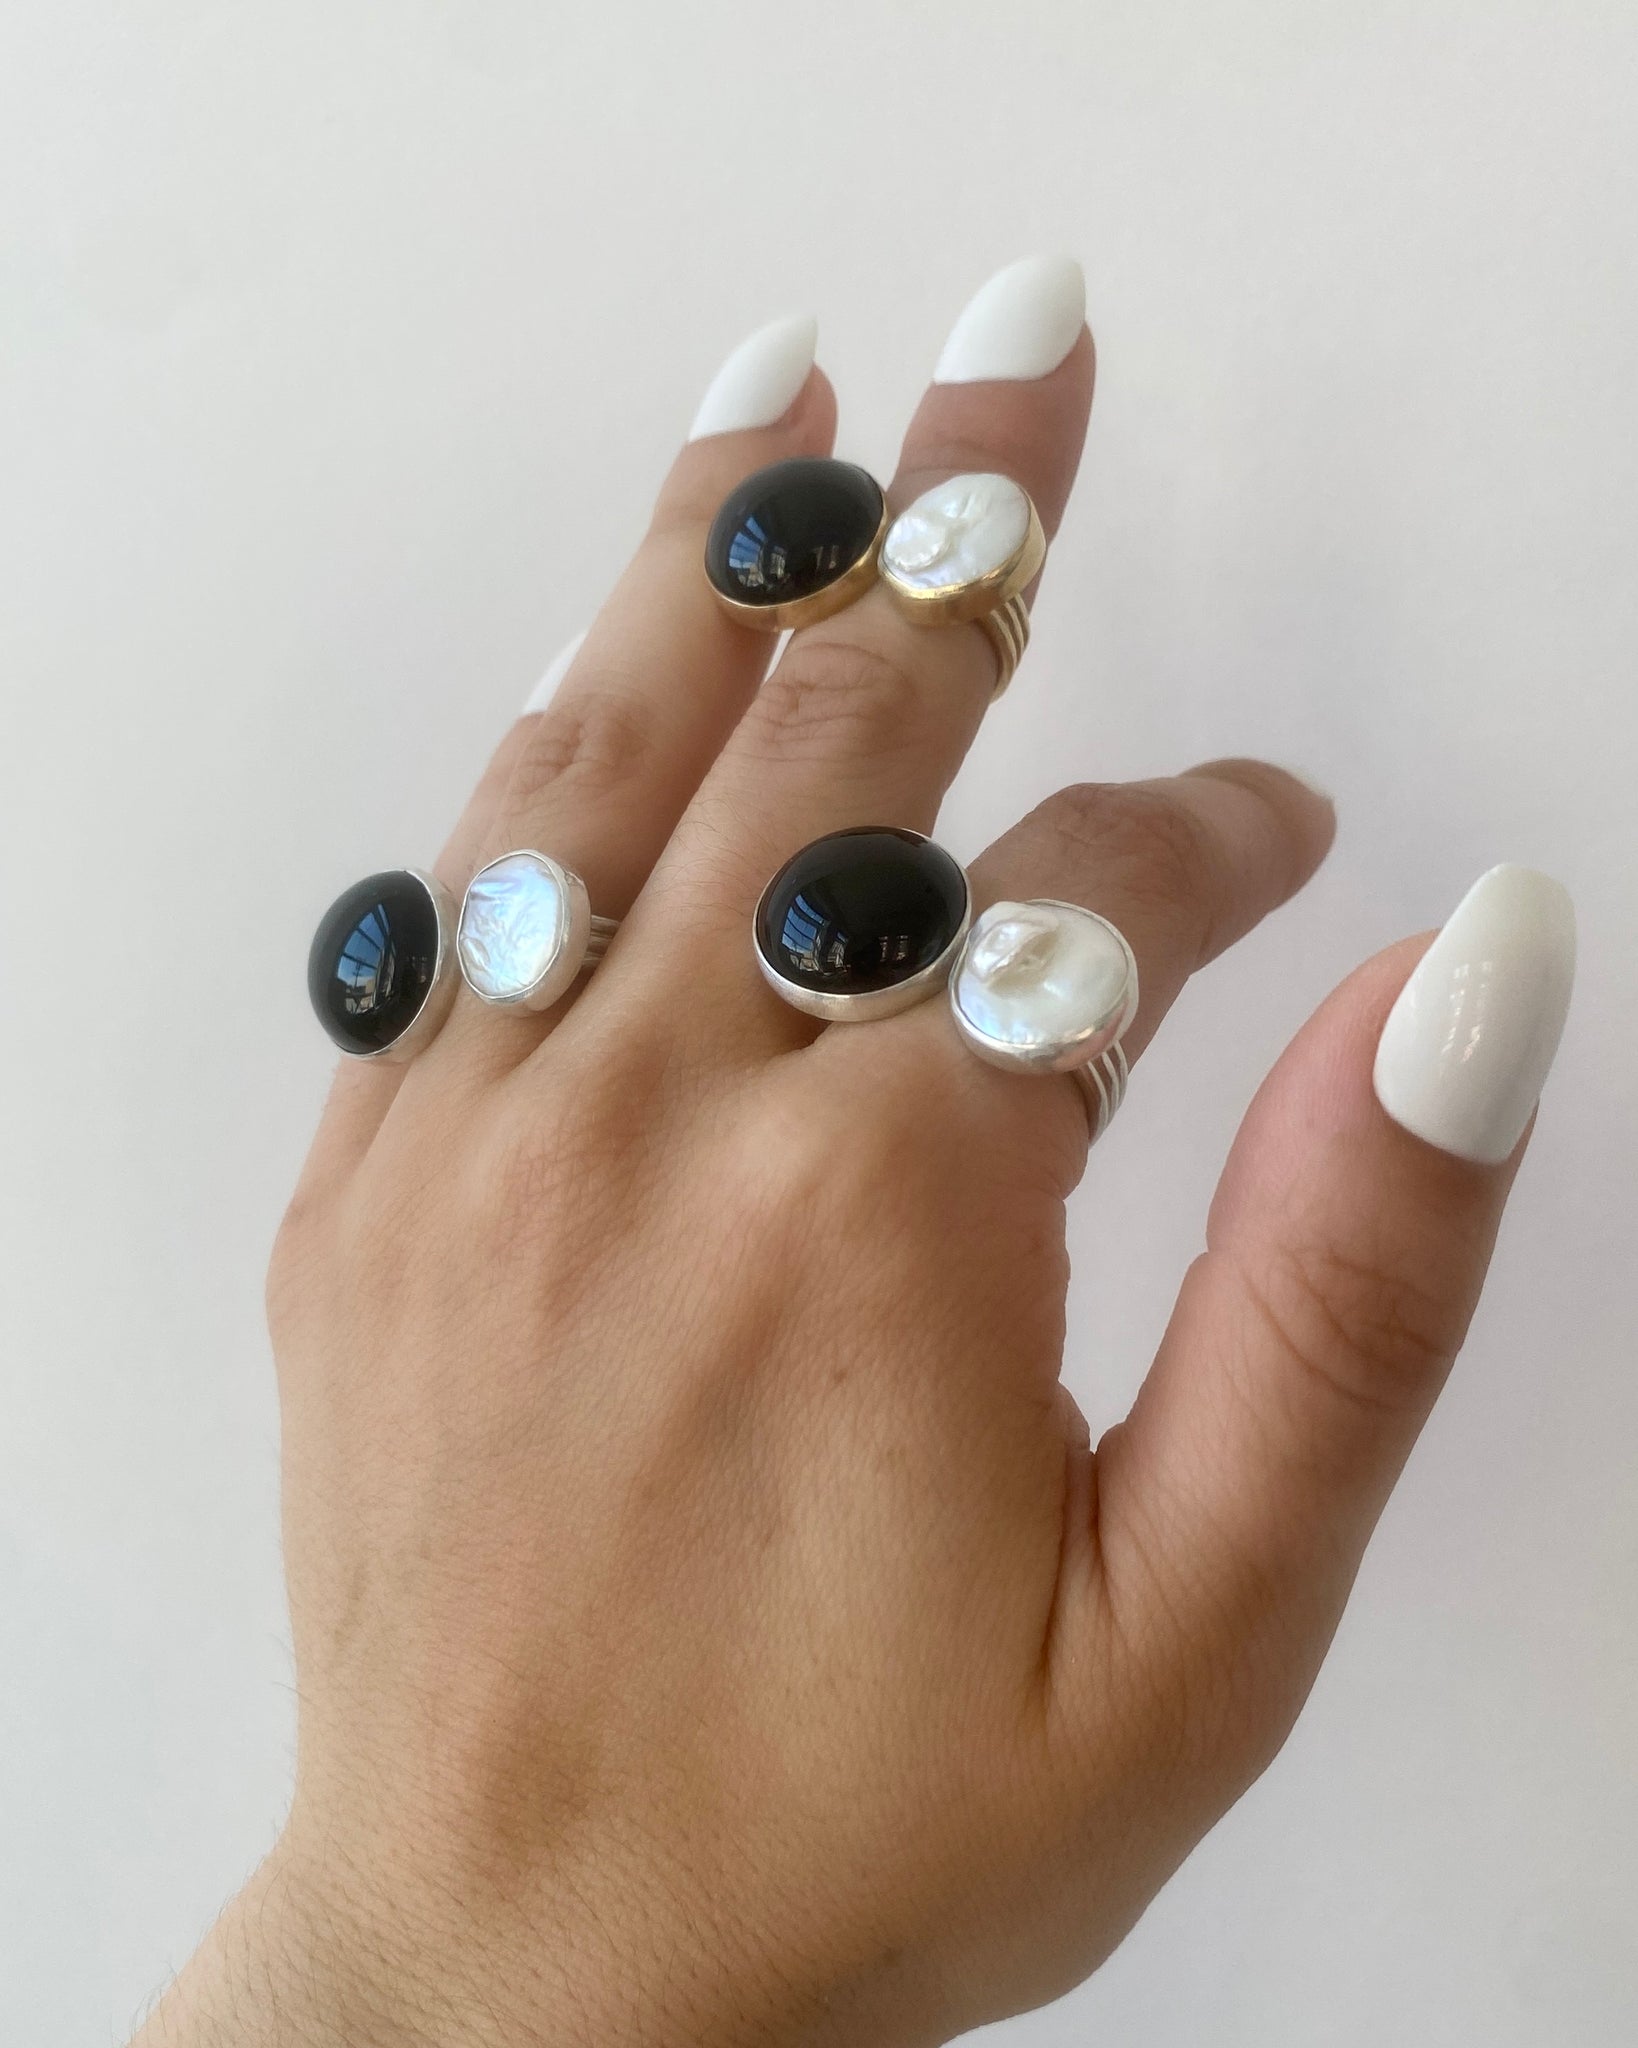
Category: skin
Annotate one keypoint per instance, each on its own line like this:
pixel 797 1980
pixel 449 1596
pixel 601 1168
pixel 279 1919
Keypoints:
pixel 713 1624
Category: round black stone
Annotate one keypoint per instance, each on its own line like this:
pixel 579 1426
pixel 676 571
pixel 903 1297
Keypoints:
pixel 791 529
pixel 860 911
pixel 373 960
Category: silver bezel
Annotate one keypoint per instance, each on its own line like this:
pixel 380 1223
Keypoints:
pixel 1062 1055
pixel 558 976
pixel 429 1020
pixel 873 1004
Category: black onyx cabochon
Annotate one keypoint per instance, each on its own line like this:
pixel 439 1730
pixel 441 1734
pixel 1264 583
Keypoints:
pixel 861 910
pixel 791 529
pixel 373 959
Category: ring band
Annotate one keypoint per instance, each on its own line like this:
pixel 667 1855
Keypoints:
pixel 1007 629
pixel 381 970
pixel 526 930
pixel 968 549
pixel 795 542
pixel 862 923
pixel 1102 1083
pixel 1046 987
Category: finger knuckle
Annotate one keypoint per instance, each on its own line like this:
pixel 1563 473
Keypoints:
pixel 836 699
pixel 1357 1326
pixel 593 744
pixel 1149 850
pixel 688 499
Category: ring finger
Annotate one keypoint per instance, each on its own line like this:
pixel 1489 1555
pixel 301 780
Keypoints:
pixel 1183 867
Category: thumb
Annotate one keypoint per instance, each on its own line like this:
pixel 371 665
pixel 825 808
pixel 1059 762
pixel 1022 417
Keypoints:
pixel 1346 1249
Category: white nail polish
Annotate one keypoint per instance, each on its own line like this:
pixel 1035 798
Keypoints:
pixel 760 380
pixel 1466 1048
pixel 1020 325
pixel 544 691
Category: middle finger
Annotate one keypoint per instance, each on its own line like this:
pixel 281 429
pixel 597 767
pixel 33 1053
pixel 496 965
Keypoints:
pixel 867 717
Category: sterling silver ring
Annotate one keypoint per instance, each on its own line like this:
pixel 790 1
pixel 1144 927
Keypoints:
pixel 1046 987
pixel 526 930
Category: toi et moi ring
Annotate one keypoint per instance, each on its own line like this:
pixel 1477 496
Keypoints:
pixel 866 922
pixel 391 951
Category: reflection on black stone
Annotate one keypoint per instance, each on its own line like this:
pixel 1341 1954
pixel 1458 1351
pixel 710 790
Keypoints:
pixel 367 963
pixel 861 910
pixel 373 959
pixel 791 529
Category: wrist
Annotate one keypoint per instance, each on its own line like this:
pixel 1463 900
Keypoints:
pixel 290 1965
pixel 301 1959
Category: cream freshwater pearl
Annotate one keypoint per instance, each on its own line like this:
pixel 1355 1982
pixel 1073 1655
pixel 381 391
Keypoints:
pixel 959 532
pixel 1043 985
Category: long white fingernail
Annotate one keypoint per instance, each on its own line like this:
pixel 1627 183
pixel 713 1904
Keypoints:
pixel 543 692
pixel 760 380
pixel 1466 1048
pixel 1020 325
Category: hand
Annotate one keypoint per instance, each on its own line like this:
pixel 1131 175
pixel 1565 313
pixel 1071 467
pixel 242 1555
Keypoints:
pixel 712 1622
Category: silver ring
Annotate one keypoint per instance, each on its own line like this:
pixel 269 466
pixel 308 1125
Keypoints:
pixel 1047 987
pixel 526 930
pixel 1103 1088
pixel 862 923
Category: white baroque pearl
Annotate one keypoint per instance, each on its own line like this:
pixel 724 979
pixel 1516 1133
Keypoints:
pixel 1043 984
pixel 959 532
pixel 514 924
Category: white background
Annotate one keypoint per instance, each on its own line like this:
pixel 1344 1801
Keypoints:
pixel 341 346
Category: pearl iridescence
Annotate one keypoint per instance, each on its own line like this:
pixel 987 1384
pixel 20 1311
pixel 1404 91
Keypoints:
pixel 1043 984
pixel 514 923
pixel 959 532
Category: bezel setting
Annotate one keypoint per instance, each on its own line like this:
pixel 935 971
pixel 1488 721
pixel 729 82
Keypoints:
pixel 439 986
pixel 566 953
pixel 963 598
pixel 748 504
pixel 1052 1049
pixel 858 1006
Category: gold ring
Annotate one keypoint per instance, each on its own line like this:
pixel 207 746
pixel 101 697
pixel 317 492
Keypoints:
pixel 967 550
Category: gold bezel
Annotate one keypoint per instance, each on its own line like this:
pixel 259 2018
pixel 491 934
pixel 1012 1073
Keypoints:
pixel 847 589
pixel 957 604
